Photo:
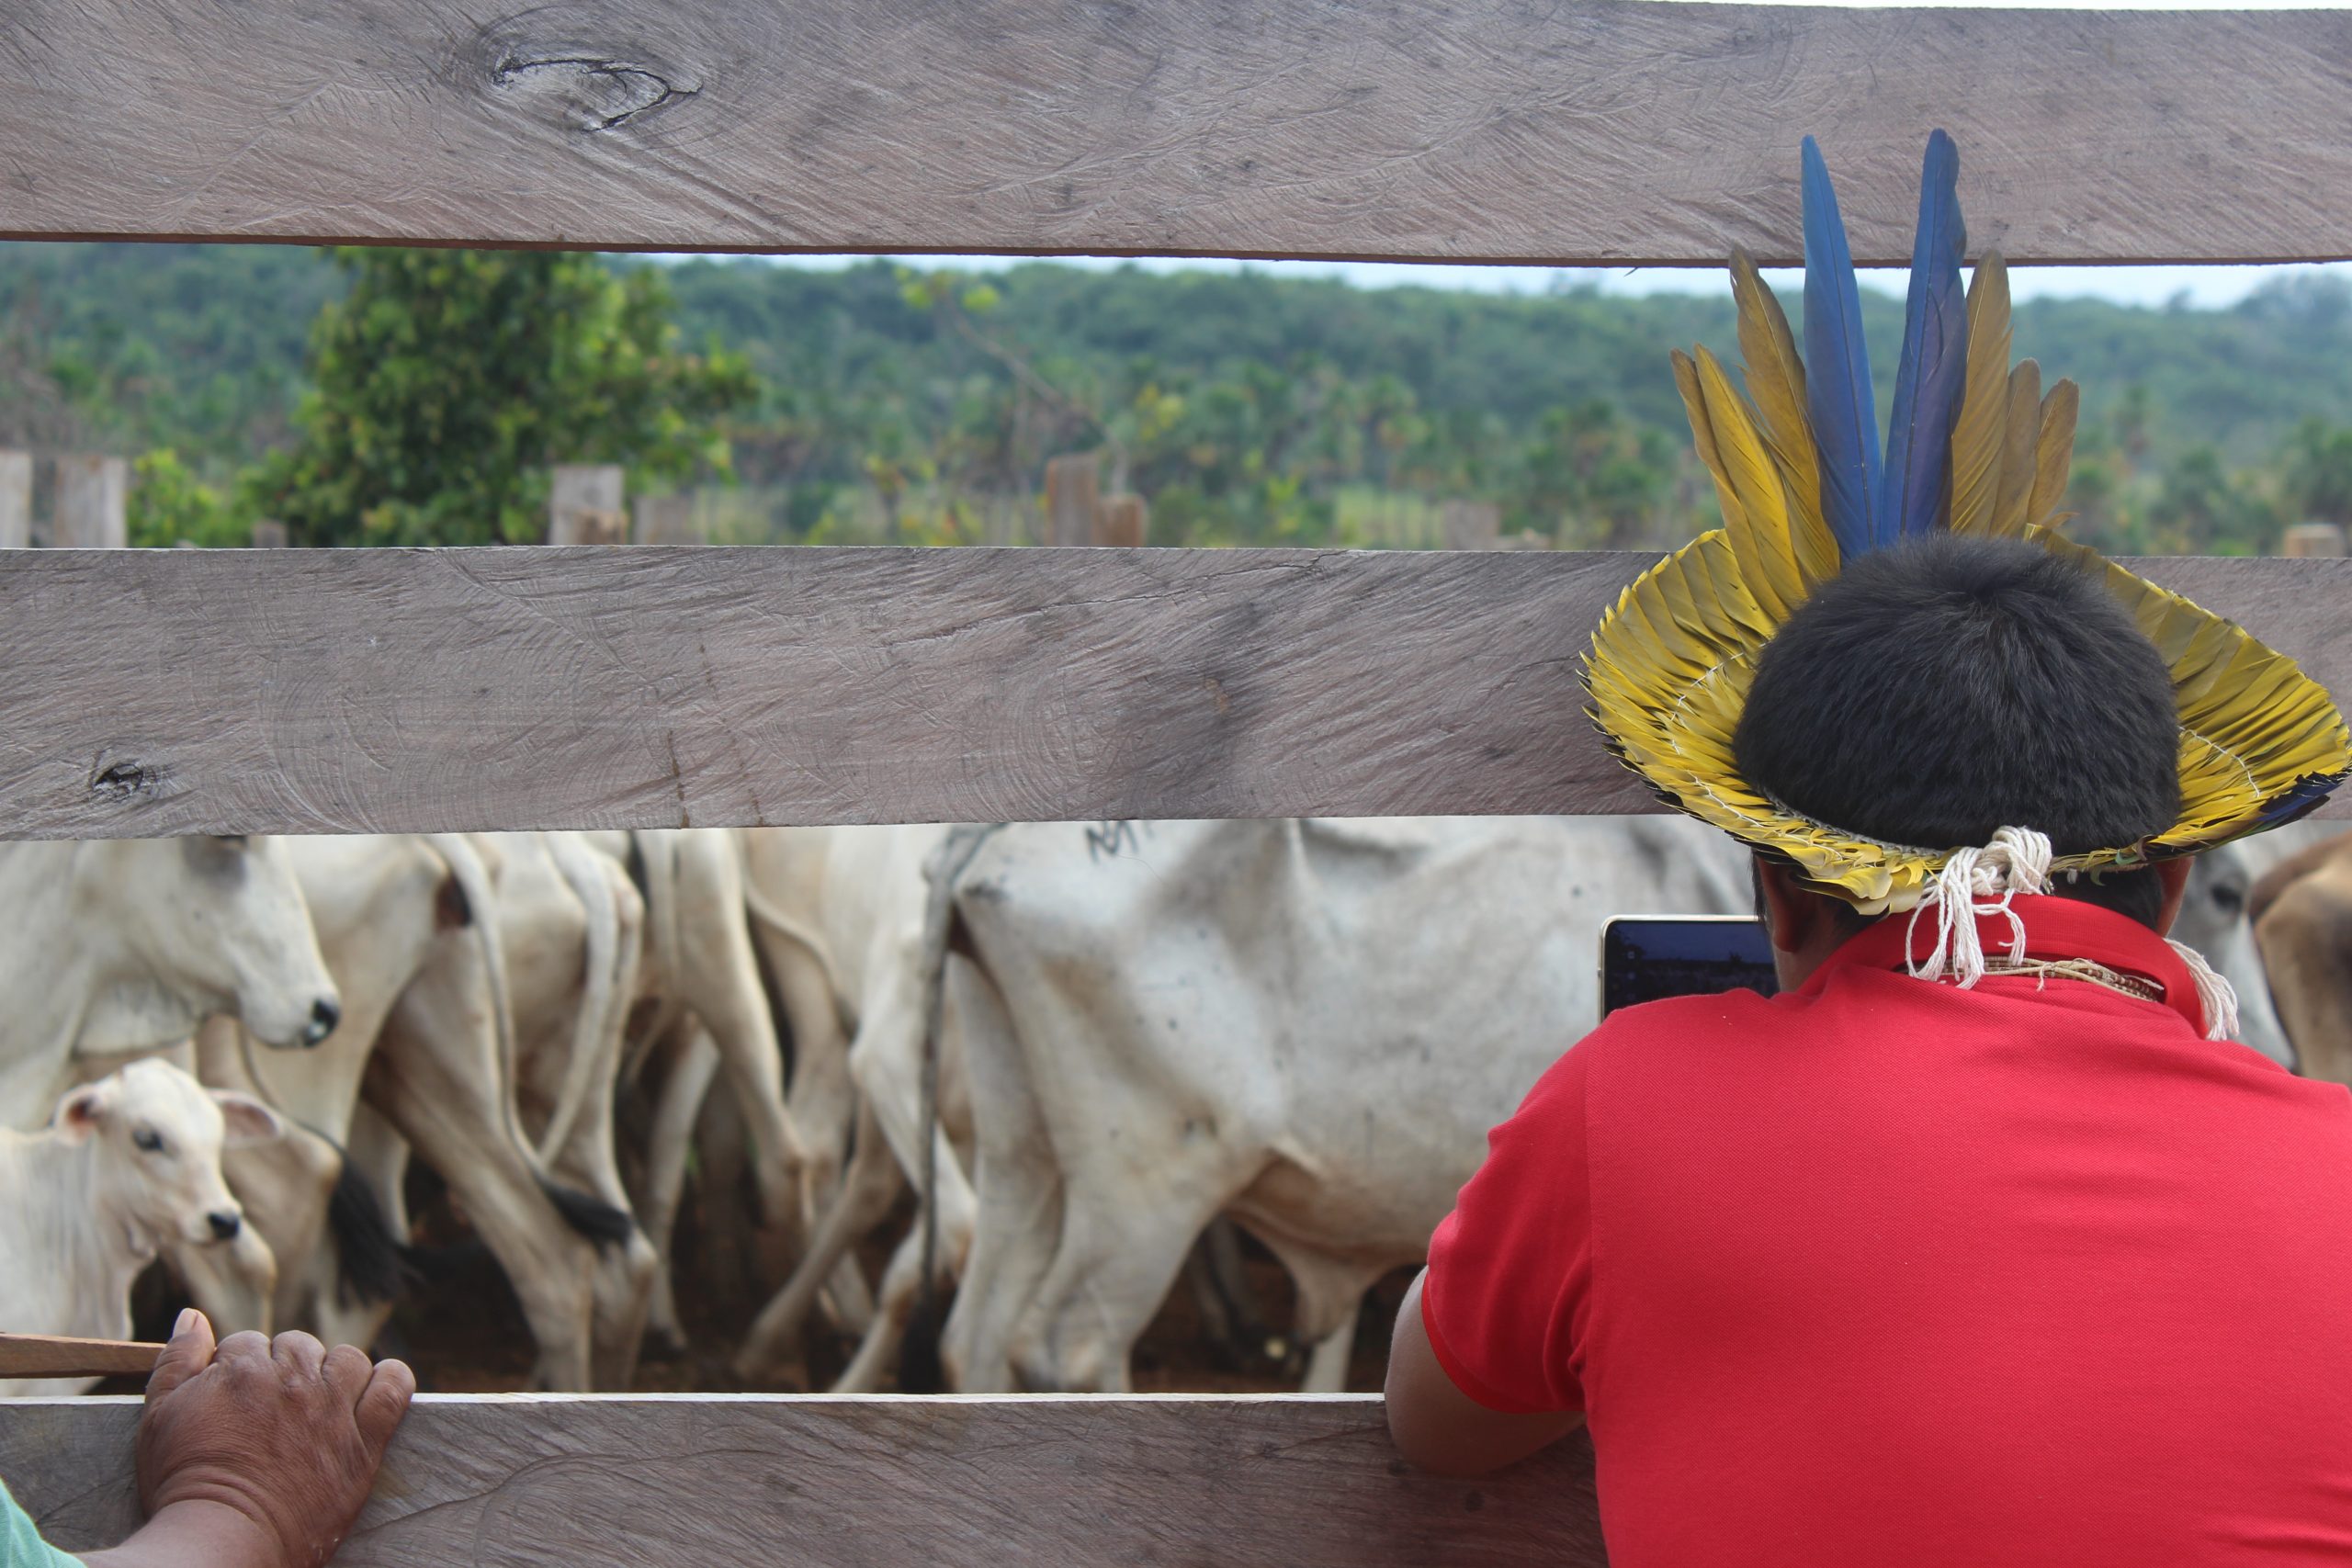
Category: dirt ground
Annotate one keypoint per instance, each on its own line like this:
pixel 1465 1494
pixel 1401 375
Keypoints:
pixel 462 1331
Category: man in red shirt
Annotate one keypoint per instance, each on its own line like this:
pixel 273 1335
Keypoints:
pixel 1980 1243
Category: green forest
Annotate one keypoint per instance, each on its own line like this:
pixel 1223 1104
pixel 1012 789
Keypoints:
pixel 415 397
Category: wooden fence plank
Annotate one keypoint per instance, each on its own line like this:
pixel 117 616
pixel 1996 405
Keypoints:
pixel 152 692
pixel 1502 130
pixel 520 1481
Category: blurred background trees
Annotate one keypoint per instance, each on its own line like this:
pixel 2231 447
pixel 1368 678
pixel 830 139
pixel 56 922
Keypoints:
pixel 401 397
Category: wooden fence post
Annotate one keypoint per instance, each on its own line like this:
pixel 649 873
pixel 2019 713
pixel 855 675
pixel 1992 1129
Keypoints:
pixel 1121 521
pixel 88 511
pixel 16 500
pixel 268 534
pixel 666 520
pixel 1470 525
pixel 1073 485
pixel 584 505
pixel 2308 539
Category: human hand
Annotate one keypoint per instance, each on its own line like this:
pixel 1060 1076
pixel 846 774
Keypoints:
pixel 285 1434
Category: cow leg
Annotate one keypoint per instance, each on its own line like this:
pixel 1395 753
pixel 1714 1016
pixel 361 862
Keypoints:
pixel 626 1270
pixel 623 1279
pixel 1017 1185
pixel 823 1096
pixel 1327 1369
pixel 696 1064
pixel 1110 1274
pixel 847 1300
pixel 871 1187
pixel 887 1334
pixel 435 1080
pixel 721 981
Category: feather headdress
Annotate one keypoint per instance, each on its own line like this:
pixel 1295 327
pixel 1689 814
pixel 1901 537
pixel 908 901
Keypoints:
pixel 1975 446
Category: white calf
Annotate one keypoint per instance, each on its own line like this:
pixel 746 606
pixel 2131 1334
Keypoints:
pixel 130 1163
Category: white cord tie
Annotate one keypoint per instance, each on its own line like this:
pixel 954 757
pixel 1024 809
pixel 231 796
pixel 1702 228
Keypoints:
pixel 1978 883
pixel 1975 883
pixel 2216 998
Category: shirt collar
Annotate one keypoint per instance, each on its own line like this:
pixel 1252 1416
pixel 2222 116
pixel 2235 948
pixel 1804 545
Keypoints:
pixel 2054 928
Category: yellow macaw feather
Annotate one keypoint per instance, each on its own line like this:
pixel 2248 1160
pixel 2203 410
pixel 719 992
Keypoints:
pixel 1980 438
pixel 1703 431
pixel 2053 452
pixel 2022 436
pixel 1775 378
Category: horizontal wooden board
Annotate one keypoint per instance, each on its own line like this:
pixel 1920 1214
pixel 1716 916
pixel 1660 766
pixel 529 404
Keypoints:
pixel 575 1481
pixel 160 692
pixel 1496 130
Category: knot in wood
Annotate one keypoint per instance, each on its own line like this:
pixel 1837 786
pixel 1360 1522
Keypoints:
pixel 598 94
pixel 125 781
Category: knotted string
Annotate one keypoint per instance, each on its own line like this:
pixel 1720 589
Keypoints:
pixel 1975 883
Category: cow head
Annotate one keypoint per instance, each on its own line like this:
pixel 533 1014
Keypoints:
pixel 157 1136
pixel 209 924
pixel 2214 921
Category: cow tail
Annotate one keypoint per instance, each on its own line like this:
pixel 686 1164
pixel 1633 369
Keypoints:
pixel 919 1365
pixel 583 871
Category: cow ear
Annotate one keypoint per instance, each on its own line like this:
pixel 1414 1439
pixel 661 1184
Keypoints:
pixel 82 1112
pixel 248 1120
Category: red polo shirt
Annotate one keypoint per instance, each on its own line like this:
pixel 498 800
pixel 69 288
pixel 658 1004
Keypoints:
pixel 1883 1272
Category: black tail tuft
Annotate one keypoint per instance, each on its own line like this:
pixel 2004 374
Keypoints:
pixel 370 1263
pixel 589 1215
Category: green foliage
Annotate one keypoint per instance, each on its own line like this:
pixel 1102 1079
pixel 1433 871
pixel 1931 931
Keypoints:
pixel 169 504
pixel 880 401
pixel 446 382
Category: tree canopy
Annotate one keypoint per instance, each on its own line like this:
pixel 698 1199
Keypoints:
pixel 881 400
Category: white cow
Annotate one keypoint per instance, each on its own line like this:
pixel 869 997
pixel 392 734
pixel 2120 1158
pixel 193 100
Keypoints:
pixel 708 1012
pixel 131 1163
pixel 571 925
pixel 1309 1026
pixel 125 945
pixel 840 912
pixel 428 1040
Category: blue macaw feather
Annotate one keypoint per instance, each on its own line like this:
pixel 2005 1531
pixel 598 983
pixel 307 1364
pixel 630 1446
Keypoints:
pixel 1837 367
pixel 1910 498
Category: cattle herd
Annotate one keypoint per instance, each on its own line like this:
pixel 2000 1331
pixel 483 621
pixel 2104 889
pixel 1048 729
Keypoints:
pixel 1082 1048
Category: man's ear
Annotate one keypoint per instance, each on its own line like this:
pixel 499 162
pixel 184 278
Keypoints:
pixel 1790 913
pixel 83 1111
pixel 248 1120
pixel 2172 875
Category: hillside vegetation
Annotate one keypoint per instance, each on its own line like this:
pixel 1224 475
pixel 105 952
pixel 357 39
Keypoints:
pixel 889 401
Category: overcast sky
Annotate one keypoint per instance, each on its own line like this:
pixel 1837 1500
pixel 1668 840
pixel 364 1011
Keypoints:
pixel 2204 286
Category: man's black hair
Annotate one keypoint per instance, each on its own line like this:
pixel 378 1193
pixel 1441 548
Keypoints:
pixel 1939 689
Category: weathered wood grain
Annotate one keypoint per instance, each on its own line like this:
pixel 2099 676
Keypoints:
pixel 1500 131
pixel 1290 1481
pixel 153 693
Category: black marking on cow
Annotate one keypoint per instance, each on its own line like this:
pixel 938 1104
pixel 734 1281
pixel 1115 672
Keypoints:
pixel 589 1215
pixel 1111 838
pixel 370 1263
